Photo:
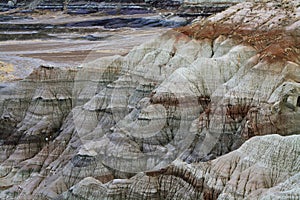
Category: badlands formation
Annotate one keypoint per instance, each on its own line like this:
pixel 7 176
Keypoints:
pixel 206 111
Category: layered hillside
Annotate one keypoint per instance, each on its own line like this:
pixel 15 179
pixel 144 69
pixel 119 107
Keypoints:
pixel 207 111
pixel 246 173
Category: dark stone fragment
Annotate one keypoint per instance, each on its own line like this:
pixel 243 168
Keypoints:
pixel 82 161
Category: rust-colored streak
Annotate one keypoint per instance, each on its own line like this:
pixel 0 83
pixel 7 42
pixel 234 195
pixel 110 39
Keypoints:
pixel 273 45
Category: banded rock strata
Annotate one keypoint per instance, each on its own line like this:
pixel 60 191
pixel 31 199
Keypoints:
pixel 149 124
pixel 245 173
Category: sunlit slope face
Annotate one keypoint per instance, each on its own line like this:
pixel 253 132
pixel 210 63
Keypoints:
pixel 140 123
pixel 240 89
pixel 252 171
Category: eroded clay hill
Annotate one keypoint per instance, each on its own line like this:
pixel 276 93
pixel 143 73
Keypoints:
pixel 208 111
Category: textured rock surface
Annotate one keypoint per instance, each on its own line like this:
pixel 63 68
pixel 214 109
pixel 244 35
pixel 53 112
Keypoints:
pixel 251 172
pixel 211 1
pixel 149 124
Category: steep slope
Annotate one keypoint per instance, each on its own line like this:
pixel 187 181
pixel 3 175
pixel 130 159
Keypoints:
pixel 251 172
pixel 191 95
